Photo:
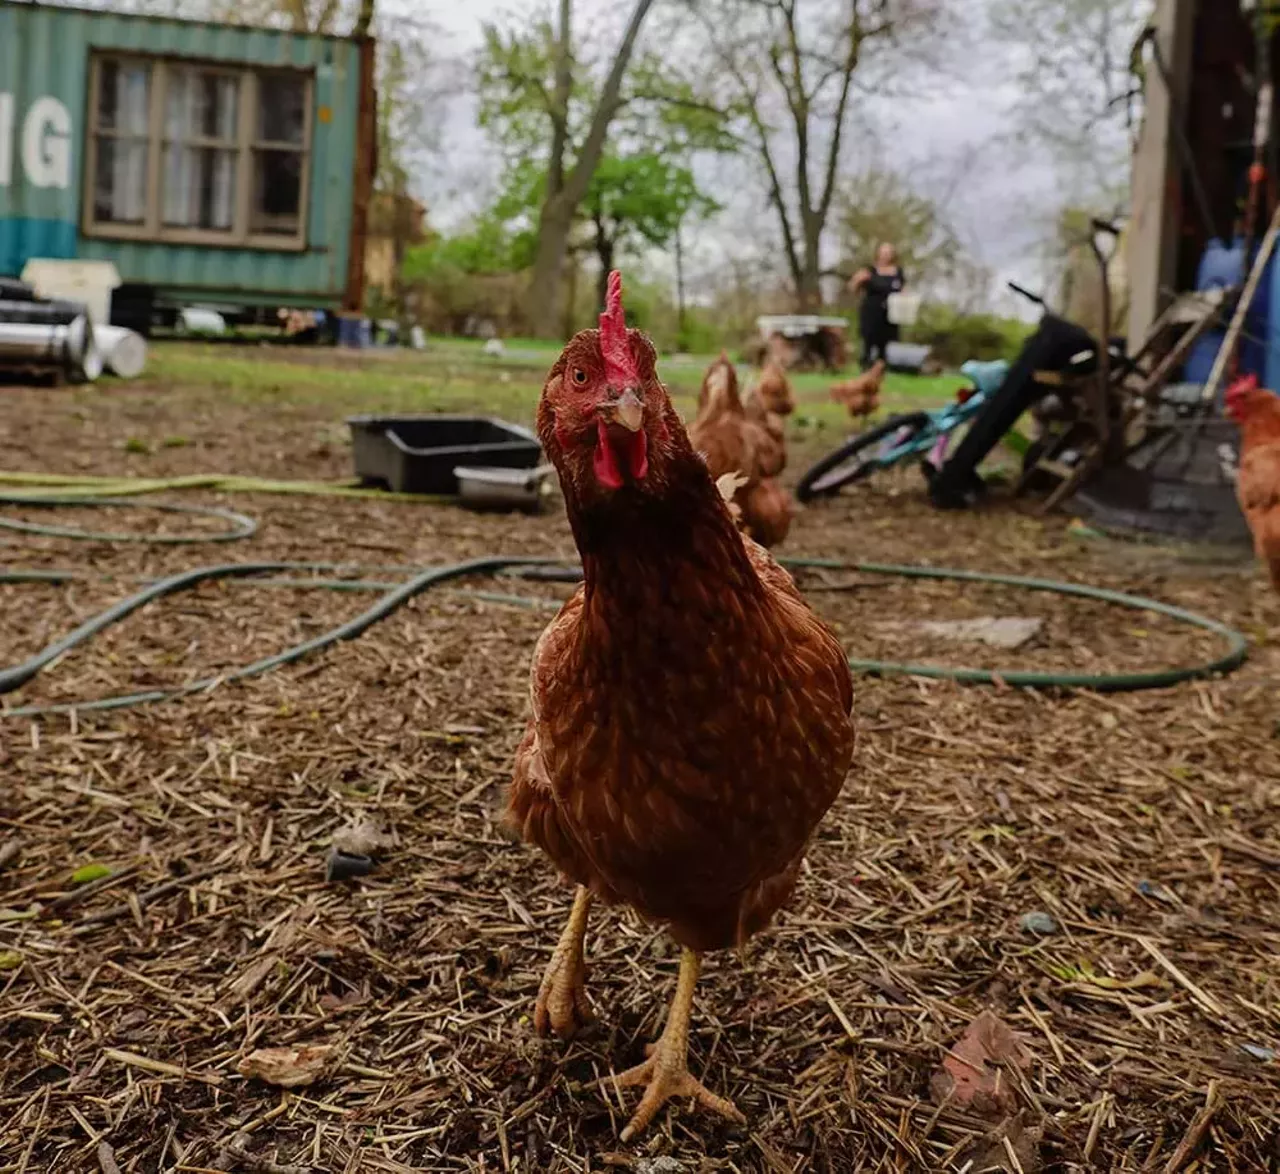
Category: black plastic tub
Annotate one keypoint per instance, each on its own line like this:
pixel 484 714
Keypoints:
pixel 420 454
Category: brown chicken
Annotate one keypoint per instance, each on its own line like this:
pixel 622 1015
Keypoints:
pixel 774 389
pixel 766 512
pixel 1257 412
pixel 691 715
pixel 772 451
pixel 732 442
pixel 861 395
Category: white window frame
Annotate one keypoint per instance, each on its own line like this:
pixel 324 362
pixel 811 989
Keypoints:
pixel 247 145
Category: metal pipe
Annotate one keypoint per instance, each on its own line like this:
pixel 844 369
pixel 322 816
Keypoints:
pixel 68 347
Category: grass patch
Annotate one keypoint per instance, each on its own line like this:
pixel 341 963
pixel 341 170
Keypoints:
pixel 455 375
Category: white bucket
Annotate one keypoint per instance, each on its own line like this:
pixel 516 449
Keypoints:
pixel 904 308
pixel 123 351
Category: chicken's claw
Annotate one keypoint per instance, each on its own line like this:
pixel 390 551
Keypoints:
pixel 666 1072
pixel 562 1004
pixel 666 1075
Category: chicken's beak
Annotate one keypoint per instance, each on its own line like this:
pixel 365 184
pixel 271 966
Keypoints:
pixel 626 410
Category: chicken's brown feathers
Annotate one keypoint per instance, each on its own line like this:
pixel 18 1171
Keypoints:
pixel 690 713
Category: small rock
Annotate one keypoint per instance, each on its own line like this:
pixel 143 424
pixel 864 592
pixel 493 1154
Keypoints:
pixel 1038 923
pixel 345 865
pixel 1266 1055
pixel 662 1165
pixel 1004 632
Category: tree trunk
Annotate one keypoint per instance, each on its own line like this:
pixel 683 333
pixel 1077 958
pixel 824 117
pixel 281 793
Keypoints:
pixel 604 254
pixel 809 287
pixel 571 298
pixel 555 222
pixel 565 192
pixel 682 333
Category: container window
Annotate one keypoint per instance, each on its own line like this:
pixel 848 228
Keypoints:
pixel 199 153
pixel 279 155
pixel 121 134
pixel 200 149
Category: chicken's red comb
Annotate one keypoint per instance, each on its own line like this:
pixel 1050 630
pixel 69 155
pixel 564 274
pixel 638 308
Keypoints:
pixel 1243 384
pixel 620 368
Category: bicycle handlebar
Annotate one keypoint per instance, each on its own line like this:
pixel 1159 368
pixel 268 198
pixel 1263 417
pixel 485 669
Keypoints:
pixel 1026 293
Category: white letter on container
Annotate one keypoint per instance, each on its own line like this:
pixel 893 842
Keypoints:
pixel 6 139
pixel 46 144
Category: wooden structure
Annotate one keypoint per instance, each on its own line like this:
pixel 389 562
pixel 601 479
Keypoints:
pixel 804 342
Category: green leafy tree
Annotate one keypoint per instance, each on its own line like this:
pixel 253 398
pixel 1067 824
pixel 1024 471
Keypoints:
pixel 634 200
pixel 549 104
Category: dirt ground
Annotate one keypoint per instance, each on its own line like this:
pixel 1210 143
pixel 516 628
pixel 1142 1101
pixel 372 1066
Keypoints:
pixel 1143 824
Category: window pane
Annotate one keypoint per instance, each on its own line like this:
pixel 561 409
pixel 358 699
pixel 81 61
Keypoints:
pixel 281 108
pixel 199 104
pixel 120 181
pixel 277 192
pixel 199 187
pixel 124 90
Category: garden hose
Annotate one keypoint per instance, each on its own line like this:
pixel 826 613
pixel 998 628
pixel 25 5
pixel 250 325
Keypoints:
pixel 242 526
pixel 395 595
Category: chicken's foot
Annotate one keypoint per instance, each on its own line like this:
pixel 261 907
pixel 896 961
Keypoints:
pixel 665 1073
pixel 562 998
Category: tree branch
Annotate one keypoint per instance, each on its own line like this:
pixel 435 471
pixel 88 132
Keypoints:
pixel 558 107
pixel 837 132
pixel 575 186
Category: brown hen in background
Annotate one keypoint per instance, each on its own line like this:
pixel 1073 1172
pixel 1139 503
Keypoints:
pixel 1257 412
pixel 732 442
pixel 691 715
pixel 861 396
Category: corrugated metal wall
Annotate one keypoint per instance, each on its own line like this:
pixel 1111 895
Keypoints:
pixel 44 71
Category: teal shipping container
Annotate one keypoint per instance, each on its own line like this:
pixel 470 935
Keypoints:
pixel 209 163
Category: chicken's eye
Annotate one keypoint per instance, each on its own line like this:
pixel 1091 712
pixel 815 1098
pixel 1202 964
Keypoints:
pixel 579 376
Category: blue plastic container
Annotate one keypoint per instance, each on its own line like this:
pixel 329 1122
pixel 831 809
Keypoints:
pixel 1221 267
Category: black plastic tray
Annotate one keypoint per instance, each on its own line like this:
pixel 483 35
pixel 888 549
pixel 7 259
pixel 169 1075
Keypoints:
pixel 418 454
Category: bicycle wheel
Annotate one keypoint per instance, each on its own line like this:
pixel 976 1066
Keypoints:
pixel 858 458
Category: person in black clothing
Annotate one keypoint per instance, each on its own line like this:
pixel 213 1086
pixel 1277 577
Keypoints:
pixel 877 282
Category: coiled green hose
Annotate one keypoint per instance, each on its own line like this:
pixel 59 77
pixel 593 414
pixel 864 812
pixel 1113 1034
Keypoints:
pixel 396 595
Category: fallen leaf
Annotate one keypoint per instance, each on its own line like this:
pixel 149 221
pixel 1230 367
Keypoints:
pixel 10 959
pixel 90 872
pixel 362 838
pixel 287 1067
pixel 970 1072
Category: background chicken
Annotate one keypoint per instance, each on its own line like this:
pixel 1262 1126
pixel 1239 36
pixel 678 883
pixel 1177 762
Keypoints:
pixel 768 404
pixel 1257 412
pixel 861 395
pixel 691 715
pixel 734 443
pixel 773 389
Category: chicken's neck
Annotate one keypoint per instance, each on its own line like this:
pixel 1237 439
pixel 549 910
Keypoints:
pixel 641 550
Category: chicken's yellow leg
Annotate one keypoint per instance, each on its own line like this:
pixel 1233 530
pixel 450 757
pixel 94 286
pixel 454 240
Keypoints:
pixel 666 1072
pixel 562 999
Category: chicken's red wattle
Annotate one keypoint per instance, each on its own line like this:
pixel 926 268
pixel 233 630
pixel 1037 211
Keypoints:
pixel 634 448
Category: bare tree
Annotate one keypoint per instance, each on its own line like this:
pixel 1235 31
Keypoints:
pixel 789 68
pixel 1078 86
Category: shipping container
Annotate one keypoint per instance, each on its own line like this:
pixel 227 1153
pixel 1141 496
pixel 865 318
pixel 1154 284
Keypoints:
pixel 210 163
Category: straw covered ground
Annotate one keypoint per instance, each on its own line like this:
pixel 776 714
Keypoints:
pixel 165 913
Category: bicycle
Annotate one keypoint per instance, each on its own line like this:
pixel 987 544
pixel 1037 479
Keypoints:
pixel 904 437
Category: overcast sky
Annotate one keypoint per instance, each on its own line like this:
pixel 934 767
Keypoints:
pixel 955 138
